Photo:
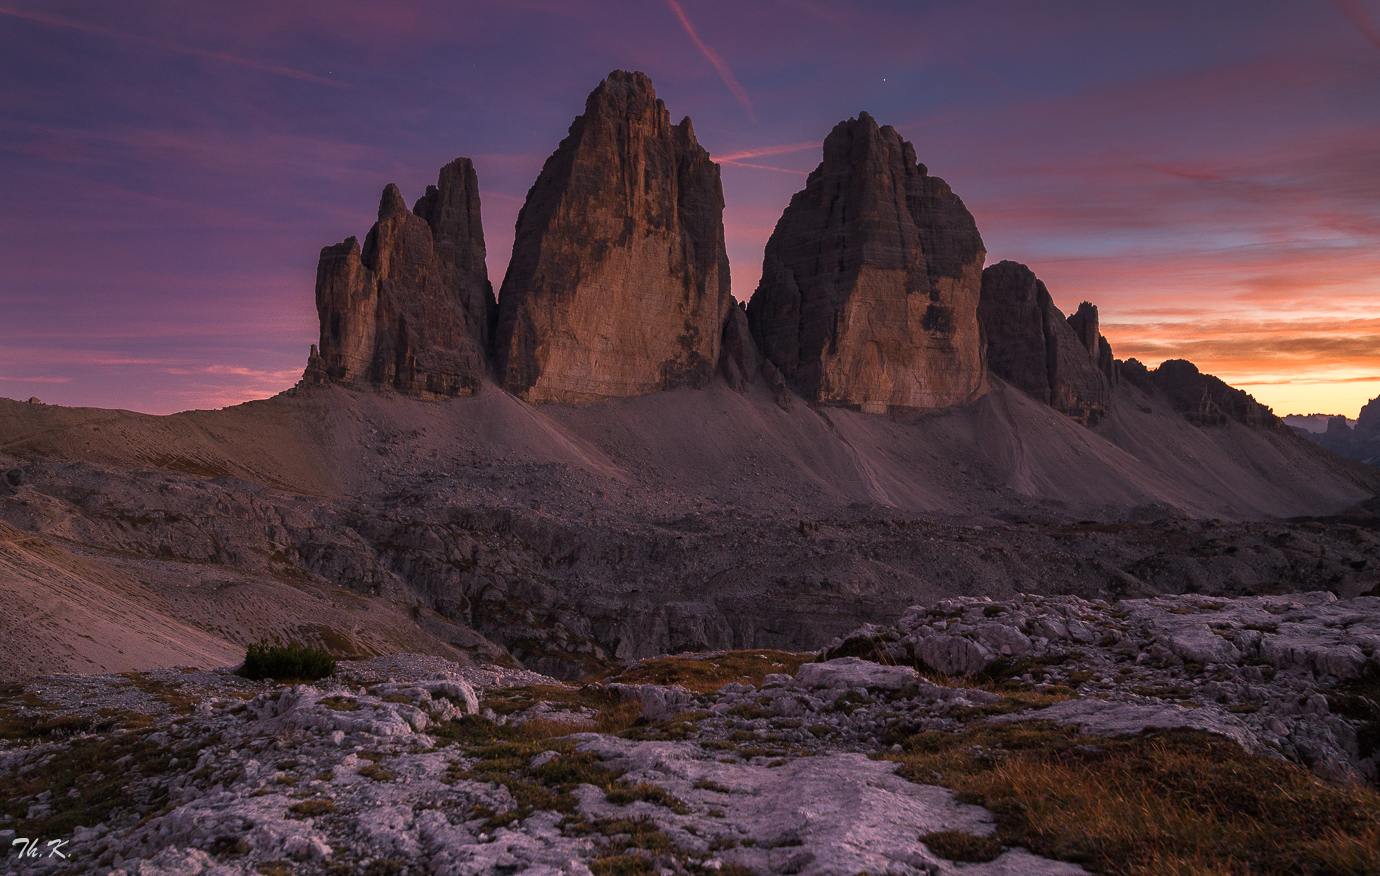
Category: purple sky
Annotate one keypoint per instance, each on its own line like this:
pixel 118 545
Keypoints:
pixel 1207 173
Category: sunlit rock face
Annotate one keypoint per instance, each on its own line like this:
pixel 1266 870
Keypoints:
pixel 619 281
pixel 870 281
pixel 1030 345
pixel 412 308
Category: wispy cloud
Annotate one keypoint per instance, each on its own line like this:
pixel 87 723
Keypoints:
pixel 222 57
pixel 1358 15
pixel 36 379
pixel 719 64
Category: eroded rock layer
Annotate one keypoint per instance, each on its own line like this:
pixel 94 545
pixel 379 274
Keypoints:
pixel 413 307
pixel 870 281
pixel 1066 364
pixel 619 283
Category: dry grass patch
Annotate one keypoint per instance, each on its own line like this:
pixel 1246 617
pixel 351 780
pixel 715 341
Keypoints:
pixel 955 845
pixel 1173 802
pixel 644 792
pixel 610 714
pixel 312 808
pixel 703 674
pixel 168 693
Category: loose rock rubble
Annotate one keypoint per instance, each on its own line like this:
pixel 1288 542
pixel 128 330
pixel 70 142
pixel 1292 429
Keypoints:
pixel 1280 674
pixel 413 764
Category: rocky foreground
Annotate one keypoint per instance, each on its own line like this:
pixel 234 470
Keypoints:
pixel 800 763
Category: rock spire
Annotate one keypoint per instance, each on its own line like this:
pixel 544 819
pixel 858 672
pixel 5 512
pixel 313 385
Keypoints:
pixel 412 308
pixel 619 282
pixel 870 281
pixel 1066 364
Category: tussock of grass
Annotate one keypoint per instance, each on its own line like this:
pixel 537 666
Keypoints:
pixel 286 662
pixel 1175 802
pixel 622 865
pixel 622 795
pixel 377 773
pixel 706 674
pixel 955 845
pixel 312 808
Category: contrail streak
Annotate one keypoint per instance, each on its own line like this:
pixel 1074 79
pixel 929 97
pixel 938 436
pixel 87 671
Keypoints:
pixel 58 21
pixel 763 167
pixel 724 73
pixel 1353 10
pixel 768 150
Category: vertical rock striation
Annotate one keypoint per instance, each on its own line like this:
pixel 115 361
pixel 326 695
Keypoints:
pixel 1031 346
pixel 870 281
pixel 1085 324
pixel 619 280
pixel 412 308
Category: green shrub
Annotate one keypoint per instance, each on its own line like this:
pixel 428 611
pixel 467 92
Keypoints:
pixel 286 662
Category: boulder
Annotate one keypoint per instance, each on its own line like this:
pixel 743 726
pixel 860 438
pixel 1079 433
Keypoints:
pixel 1096 717
pixel 619 281
pixel 851 672
pixel 954 655
pixel 1031 346
pixel 870 281
pixel 412 307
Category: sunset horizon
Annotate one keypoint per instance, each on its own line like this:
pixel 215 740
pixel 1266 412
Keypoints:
pixel 1209 184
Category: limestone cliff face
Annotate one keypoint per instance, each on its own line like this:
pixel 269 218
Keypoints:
pixel 619 280
pixel 412 308
pixel 870 281
pixel 1032 346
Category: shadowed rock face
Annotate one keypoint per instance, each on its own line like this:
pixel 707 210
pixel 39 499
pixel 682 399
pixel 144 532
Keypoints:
pixel 1031 346
pixel 1085 324
pixel 1206 400
pixel 870 281
pixel 413 307
pixel 619 282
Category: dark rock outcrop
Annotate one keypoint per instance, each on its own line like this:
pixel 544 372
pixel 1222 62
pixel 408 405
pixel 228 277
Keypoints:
pixel 738 356
pixel 619 280
pixel 870 281
pixel 1031 346
pixel 1204 400
pixel 412 308
pixel 1086 325
pixel 1361 442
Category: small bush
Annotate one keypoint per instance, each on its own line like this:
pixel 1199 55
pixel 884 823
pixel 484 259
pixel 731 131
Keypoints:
pixel 286 662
